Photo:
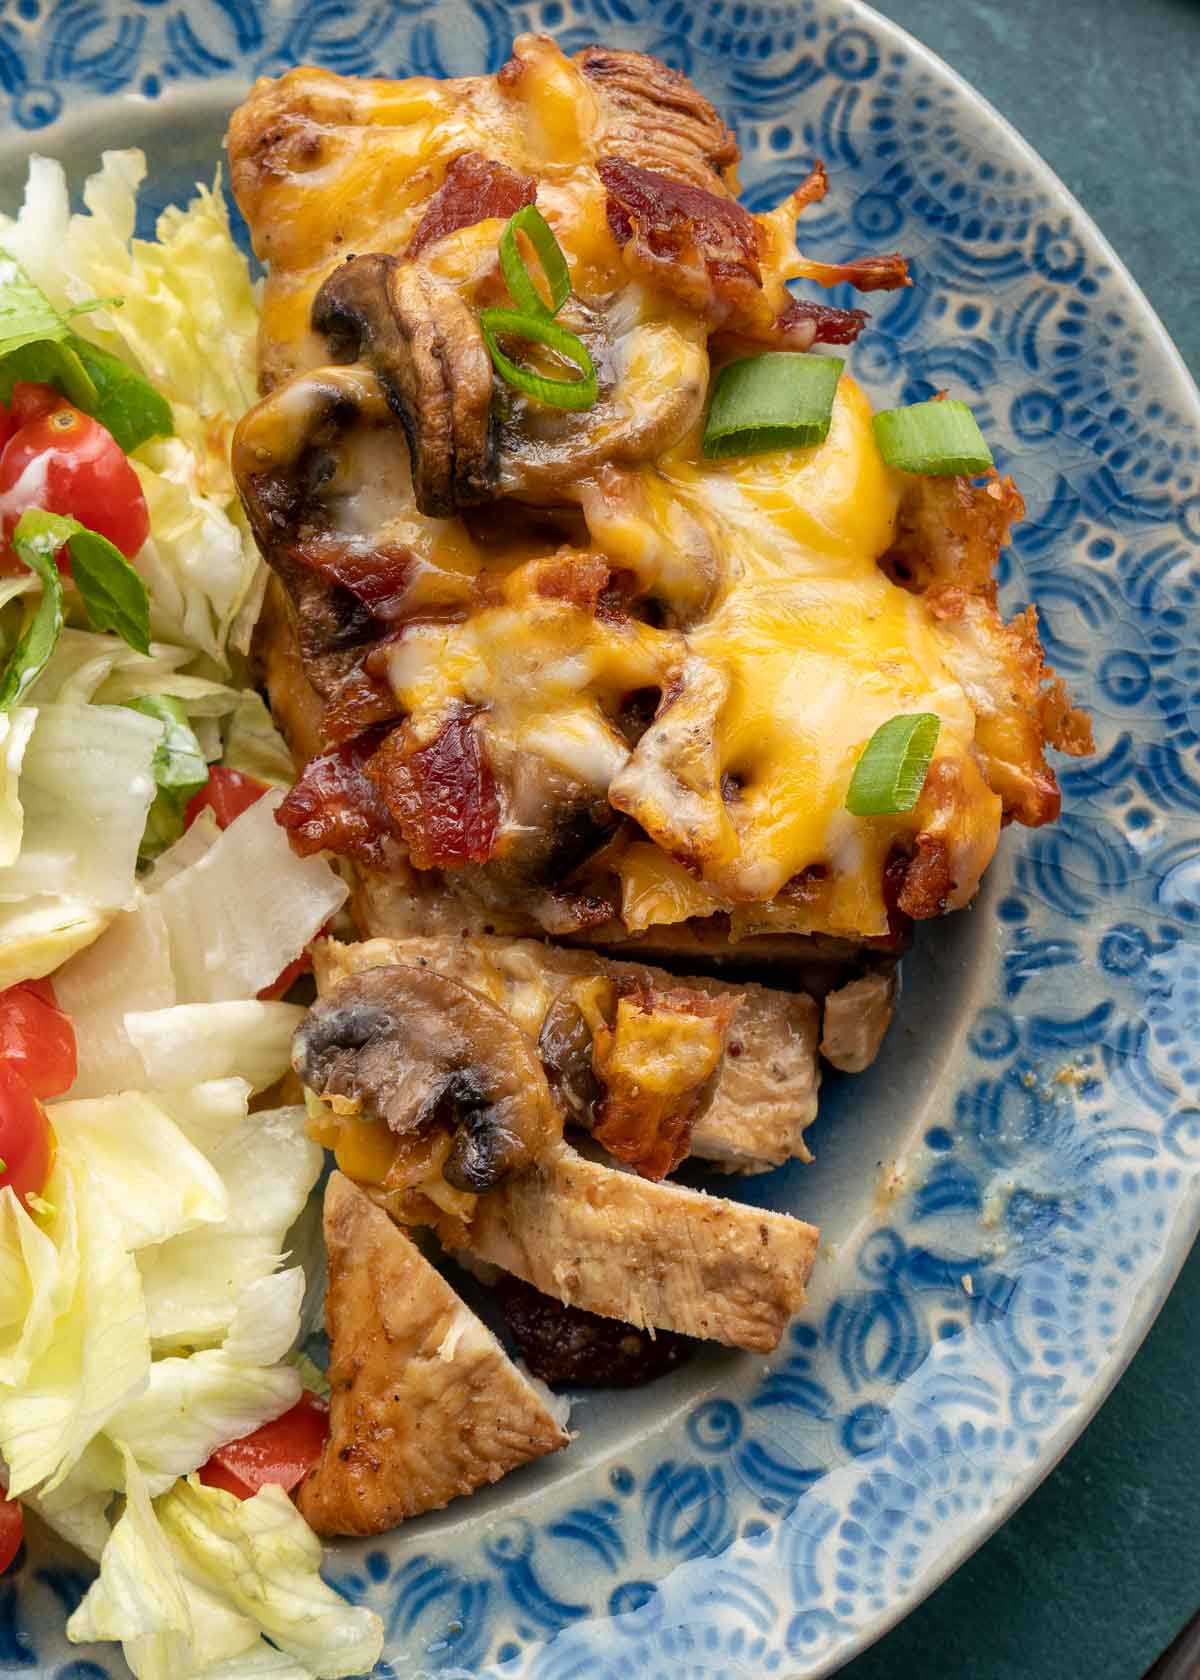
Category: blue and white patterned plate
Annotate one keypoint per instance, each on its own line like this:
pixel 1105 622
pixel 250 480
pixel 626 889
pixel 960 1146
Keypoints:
pixel 1007 1196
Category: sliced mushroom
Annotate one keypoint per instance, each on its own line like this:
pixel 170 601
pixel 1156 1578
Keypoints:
pixel 424 342
pixel 415 1050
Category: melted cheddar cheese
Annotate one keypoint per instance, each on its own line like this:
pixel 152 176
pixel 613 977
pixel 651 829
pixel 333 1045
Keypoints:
pixel 794 644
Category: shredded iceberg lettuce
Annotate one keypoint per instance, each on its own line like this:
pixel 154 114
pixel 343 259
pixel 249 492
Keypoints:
pixel 190 1582
pixel 147 1312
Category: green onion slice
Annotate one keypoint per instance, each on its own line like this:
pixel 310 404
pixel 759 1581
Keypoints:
pixel 890 773
pixel 559 393
pixel 934 438
pixel 780 400
pixel 530 221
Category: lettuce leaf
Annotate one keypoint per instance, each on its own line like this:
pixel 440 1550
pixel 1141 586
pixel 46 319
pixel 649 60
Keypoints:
pixel 245 909
pixel 99 1353
pixel 242 1039
pixel 260 1555
pixel 266 1320
pixel 188 324
pixel 87 667
pixel 197 1285
pixel 190 1583
pixel 15 729
pixel 192 1406
pixel 156 1183
pixel 38 1276
pixel 128 967
pixel 254 746
pixel 38 933
pixel 86 785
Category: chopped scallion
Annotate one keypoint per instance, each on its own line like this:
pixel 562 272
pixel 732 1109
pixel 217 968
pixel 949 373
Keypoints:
pixel 891 770
pixel 525 295
pixel 559 393
pixel 934 438
pixel 779 400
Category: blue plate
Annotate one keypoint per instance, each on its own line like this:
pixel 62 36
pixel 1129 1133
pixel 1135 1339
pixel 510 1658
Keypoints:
pixel 1006 1197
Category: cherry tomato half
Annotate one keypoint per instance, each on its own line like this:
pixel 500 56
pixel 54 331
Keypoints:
pixel 7 425
pixel 282 1452
pixel 26 1142
pixel 12 1531
pixel 227 793
pixel 32 401
pixel 37 1041
pixel 85 474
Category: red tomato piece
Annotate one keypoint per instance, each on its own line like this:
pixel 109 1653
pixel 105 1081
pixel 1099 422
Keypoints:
pixel 80 470
pixel 37 1041
pixel 26 1142
pixel 227 793
pixel 12 1531
pixel 33 401
pixel 7 424
pixel 300 965
pixel 282 1452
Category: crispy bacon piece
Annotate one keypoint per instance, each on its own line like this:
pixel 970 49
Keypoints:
pixel 359 701
pixel 815 323
pixel 334 807
pixel 658 1066
pixel 441 795
pixel 949 534
pixel 701 247
pixel 378 577
pixel 887 273
pixel 571 1348
pixel 475 189
pixel 580 579
pixel 588 582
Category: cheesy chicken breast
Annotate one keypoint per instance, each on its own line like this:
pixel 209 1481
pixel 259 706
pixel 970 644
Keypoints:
pixel 607 623
pixel 569 670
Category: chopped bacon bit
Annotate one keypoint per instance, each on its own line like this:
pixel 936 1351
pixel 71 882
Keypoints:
pixel 580 579
pixel 817 323
pixel 649 1123
pixel 866 274
pixel 812 189
pixel 334 807
pixel 442 795
pixel 475 190
pixel 360 700
pixel 378 577
pixel 701 247
pixel 927 880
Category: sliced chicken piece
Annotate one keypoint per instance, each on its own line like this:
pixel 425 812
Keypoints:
pixel 652 1254
pixel 765 1093
pixel 856 1018
pixel 426 1406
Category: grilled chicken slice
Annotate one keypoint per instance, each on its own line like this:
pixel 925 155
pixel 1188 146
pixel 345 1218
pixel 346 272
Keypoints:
pixel 425 1406
pixel 765 1091
pixel 855 1018
pixel 652 1254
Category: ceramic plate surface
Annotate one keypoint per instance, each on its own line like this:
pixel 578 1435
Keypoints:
pixel 1007 1195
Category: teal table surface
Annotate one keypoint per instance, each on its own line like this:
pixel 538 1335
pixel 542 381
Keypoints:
pixel 1095 1573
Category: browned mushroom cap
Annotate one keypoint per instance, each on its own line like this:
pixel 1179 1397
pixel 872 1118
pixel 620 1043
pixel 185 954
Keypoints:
pixel 415 1048
pixel 424 342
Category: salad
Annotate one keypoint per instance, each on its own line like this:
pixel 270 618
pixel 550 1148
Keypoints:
pixel 154 1410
